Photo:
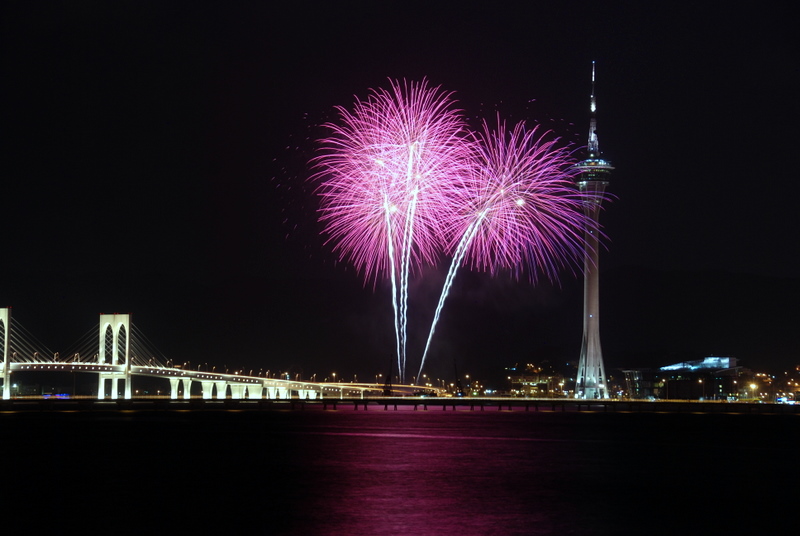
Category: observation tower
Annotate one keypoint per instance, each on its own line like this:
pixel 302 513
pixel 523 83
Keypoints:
pixel 594 173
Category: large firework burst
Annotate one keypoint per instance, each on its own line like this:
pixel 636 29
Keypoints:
pixel 385 173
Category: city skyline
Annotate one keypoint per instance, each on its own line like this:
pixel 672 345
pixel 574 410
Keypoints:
pixel 155 158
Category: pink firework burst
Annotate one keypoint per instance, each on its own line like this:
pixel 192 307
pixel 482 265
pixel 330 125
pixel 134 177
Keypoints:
pixel 521 205
pixel 383 174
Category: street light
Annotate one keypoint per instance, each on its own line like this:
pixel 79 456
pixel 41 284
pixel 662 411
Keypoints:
pixel 753 387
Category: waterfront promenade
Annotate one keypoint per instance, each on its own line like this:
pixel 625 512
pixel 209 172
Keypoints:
pixel 409 403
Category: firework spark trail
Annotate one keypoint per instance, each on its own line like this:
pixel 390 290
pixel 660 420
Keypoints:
pixel 384 172
pixel 521 210
pixel 390 250
pixel 458 256
pixel 408 239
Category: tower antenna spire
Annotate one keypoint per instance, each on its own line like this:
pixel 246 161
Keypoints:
pixel 593 146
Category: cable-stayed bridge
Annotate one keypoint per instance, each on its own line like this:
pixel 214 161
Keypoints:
pixel 118 352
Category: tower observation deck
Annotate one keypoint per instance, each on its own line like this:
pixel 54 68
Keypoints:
pixel 594 174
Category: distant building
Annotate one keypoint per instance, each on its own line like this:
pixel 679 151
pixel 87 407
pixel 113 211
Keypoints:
pixel 708 363
pixel 536 381
pixel 711 378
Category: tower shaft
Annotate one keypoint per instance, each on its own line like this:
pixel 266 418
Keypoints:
pixel 591 381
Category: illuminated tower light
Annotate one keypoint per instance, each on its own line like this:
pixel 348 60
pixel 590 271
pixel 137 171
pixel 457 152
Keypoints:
pixel 592 381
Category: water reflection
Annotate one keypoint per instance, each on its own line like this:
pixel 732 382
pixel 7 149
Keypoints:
pixel 395 473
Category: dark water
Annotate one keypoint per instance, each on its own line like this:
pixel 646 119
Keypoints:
pixel 409 472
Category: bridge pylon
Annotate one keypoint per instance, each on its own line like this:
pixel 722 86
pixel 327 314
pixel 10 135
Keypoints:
pixel 115 336
pixel 5 326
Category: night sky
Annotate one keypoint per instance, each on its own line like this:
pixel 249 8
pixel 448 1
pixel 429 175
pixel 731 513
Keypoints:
pixel 154 162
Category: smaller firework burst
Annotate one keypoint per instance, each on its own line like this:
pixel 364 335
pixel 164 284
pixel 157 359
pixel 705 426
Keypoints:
pixel 519 209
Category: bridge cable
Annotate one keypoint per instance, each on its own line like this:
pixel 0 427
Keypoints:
pixel 27 347
pixel 85 347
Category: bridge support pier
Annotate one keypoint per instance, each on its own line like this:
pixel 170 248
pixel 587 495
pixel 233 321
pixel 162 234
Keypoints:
pixel 208 390
pixel 237 391
pixel 254 392
pixel 173 388
pixel 114 335
pixel 114 392
pixel 222 390
pixel 5 320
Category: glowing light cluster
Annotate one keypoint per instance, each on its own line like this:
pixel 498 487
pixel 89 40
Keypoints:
pixel 401 180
